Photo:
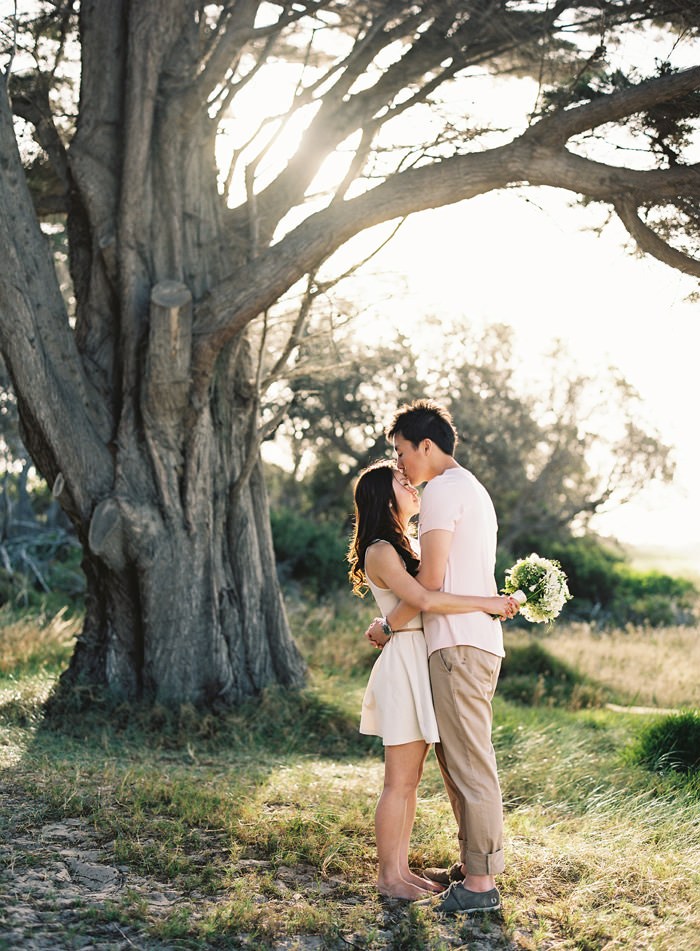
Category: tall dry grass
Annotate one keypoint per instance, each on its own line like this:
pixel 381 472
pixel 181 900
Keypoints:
pixel 650 667
pixel 28 643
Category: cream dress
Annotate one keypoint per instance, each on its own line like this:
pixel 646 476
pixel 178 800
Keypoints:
pixel 398 702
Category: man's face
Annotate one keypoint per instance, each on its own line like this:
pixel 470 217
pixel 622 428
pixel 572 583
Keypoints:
pixel 410 459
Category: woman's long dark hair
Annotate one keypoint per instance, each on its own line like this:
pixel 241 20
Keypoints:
pixel 376 518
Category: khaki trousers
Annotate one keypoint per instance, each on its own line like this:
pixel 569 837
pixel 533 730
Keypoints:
pixel 463 681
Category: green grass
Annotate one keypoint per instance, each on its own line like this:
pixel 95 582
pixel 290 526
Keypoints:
pixel 261 820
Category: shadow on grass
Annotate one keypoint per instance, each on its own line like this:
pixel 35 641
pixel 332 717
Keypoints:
pixel 210 805
pixel 308 721
pixel 532 676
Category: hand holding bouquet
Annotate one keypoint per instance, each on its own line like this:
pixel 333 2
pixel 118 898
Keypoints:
pixel 539 585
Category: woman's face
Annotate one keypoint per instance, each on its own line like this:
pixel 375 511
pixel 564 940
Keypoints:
pixel 407 498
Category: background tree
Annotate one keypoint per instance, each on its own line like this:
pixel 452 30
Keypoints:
pixel 551 459
pixel 555 457
pixel 337 418
pixel 142 408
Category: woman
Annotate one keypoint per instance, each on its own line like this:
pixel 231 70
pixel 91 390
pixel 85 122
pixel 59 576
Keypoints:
pixel 398 703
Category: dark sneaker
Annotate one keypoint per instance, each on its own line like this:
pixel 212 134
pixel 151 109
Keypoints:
pixel 458 900
pixel 444 876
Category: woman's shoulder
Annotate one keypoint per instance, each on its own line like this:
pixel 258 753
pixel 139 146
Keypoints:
pixel 380 557
pixel 380 547
pixel 380 550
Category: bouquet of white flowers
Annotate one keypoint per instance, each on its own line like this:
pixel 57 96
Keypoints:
pixel 540 587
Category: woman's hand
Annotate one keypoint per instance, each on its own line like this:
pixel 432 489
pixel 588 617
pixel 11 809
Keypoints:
pixel 375 633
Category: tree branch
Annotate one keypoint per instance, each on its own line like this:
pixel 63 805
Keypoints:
pixel 336 118
pixel 13 50
pixel 64 424
pixel 560 127
pixel 597 180
pixel 650 242
pixel 33 106
pixel 237 300
pixel 154 28
pixel 232 38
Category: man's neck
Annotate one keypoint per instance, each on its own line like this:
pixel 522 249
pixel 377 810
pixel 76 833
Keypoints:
pixel 441 466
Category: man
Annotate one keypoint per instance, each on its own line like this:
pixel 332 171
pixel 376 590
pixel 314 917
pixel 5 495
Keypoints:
pixel 457 530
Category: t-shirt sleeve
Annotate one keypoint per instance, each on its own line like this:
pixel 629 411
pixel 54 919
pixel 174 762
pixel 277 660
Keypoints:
pixel 441 508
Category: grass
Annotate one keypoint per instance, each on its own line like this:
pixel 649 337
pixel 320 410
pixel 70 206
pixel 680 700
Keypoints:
pixel 260 821
pixel 653 667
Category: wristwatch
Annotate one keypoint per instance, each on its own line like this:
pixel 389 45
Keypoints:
pixel 386 627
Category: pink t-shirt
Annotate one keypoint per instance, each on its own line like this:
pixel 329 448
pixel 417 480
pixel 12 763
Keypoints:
pixel 457 502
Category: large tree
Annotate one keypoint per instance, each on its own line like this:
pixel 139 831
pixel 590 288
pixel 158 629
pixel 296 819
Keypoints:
pixel 142 407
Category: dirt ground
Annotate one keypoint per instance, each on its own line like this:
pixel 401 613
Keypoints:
pixel 61 888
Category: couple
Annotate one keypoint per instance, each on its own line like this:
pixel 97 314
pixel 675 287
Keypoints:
pixel 441 695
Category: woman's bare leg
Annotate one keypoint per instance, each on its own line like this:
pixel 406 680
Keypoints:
pixel 411 804
pixel 393 820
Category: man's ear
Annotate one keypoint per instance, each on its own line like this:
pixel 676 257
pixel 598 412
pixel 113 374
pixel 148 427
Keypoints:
pixel 426 446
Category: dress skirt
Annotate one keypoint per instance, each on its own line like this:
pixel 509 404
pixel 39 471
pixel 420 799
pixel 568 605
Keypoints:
pixel 398 702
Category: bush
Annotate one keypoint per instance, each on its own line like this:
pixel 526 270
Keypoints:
pixel 309 550
pixel 672 743
pixel 41 571
pixel 651 597
pixel 608 591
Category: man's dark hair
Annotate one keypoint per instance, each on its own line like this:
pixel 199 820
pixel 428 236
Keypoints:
pixel 424 419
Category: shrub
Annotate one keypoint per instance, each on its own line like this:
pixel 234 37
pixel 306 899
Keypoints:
pixel 309 550
pixel 608 591
pixel 671 743
pixel 651 597
pixel 41 570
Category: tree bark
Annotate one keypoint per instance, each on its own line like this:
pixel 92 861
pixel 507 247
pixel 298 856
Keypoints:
pixel 183 602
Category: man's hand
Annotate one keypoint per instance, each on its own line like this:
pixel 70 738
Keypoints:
pixel 511 608
pixel 375 633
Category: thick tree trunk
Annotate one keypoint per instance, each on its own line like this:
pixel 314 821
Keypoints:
pixel 183 600
pixel 191 615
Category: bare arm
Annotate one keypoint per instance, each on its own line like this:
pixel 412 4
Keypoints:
pixel 435 549
pixel 386 568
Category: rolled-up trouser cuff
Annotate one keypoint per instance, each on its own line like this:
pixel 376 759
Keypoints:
pixel 478 864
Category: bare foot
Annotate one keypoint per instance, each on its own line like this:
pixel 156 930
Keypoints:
pixel 401 889
pixel 424 883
